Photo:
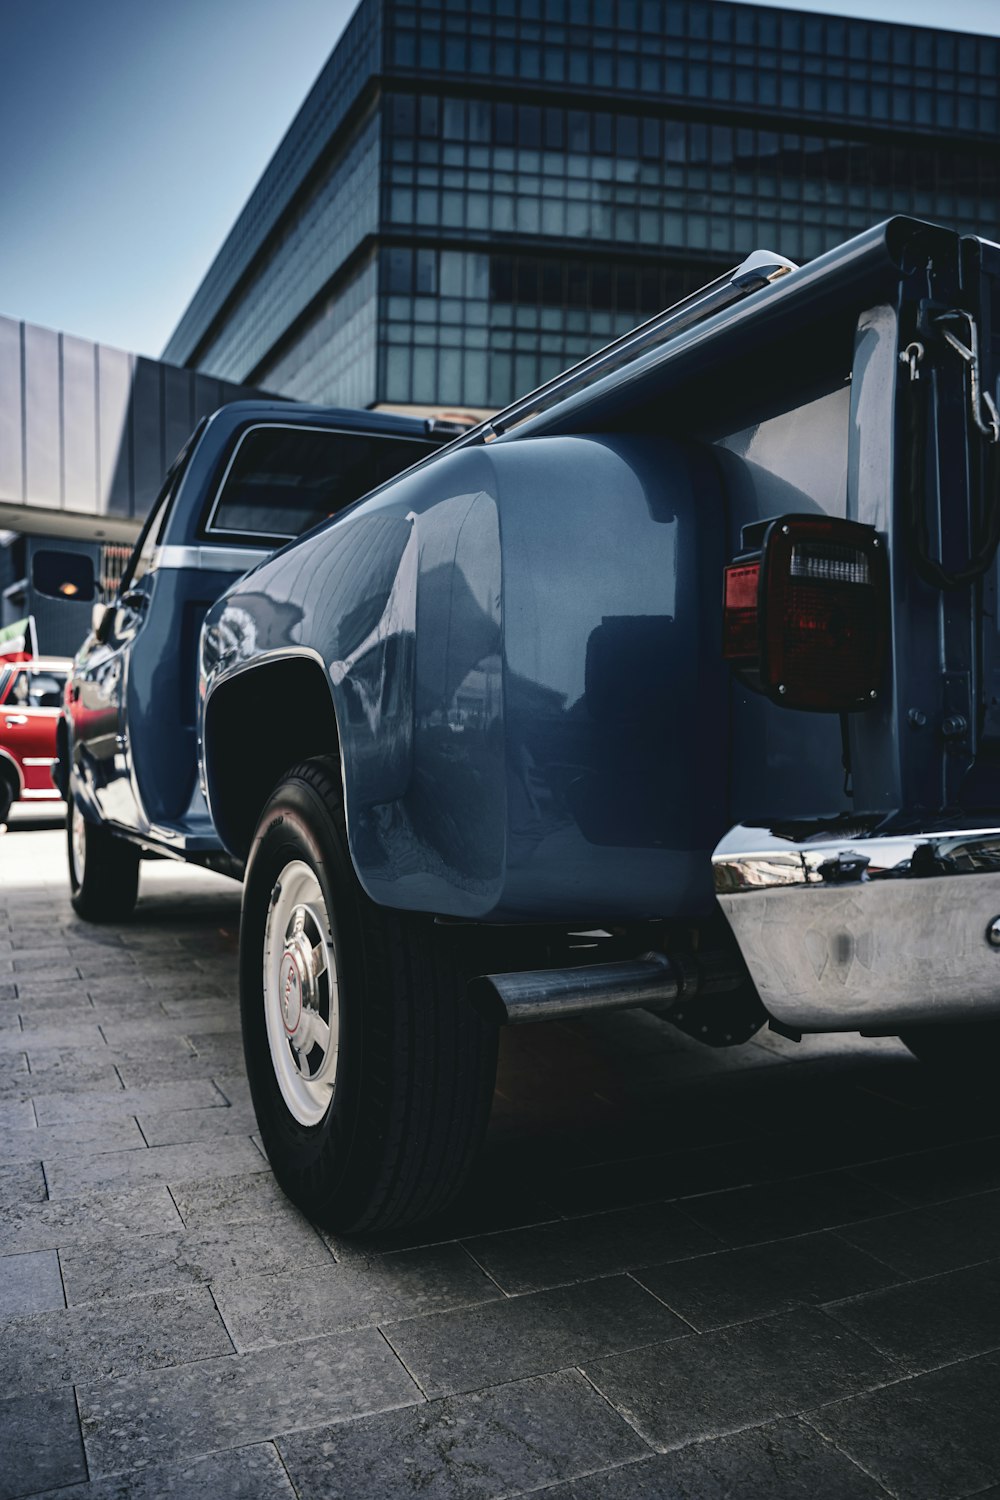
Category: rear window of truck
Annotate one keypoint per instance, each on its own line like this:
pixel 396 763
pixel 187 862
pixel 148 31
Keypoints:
pixel 282 480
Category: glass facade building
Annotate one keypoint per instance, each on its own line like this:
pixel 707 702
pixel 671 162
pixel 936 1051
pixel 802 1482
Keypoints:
pixel 475 195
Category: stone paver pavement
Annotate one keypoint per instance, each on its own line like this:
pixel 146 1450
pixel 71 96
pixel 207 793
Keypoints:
pixel 773 1272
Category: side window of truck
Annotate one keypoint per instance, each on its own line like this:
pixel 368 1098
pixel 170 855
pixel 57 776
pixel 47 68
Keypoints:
pixel 282 480
pixel 152 529
pixel 140 561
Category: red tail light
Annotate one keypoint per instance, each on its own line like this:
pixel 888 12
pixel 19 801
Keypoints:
pixel 739 636
pixel 805 619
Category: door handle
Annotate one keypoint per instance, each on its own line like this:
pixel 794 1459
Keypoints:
pixel 16 719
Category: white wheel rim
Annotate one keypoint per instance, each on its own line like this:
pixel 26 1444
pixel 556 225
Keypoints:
pixel 301 993
pixel 78 844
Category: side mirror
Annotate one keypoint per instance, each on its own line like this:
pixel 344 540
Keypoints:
pixel 63 575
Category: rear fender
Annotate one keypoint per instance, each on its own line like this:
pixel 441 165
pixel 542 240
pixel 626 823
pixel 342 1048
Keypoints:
pixel 396 610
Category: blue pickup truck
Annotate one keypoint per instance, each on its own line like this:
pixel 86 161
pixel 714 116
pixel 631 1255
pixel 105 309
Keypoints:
pixel 676 684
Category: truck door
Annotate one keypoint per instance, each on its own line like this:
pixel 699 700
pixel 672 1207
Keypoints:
pixel 100 753
pixel 279 480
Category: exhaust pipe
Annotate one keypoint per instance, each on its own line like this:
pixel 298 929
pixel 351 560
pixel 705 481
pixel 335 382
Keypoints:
pixel 562 994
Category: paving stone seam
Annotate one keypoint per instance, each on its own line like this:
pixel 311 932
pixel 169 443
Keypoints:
pixel 865 1338
pixel 106 1476
pixel 485 1270
pixel 729 1432
pixel 383 1323
pixel 905 1277
pixel 975 1139
pixel 79 1426
pixel 633 1271
pixel 733 1187
pixel 598 1213
pixel 328 1421
pixel 457 1239
pixel 326 1247
pixel 781 1239
pixel 874 1161
pixel 62 1278
pixel 219 1315
pixel 534 1375
pixel 799 1414
pixel 775 1182
pixel 406 1367
pixel 911 1204
pixel 904 1377
pixel 797 1417
pixel 621 1415
pixel 910 1371
pixel 164 1294
pixel 794 1305
pixel 215 1084
pixel 727 1249
pixel 725 1245
pixel 662 1300
pixel 990 1260
pixel 281 1459
pixel 825 1438
pixel 541 1489
pixel 177 1210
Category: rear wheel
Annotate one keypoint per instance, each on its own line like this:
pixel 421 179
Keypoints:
pixel 103 870
pixel 371 1074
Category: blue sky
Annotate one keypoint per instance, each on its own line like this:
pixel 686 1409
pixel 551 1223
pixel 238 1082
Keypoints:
pixel 133 132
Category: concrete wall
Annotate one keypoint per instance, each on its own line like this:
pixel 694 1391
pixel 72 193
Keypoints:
pixel 87 431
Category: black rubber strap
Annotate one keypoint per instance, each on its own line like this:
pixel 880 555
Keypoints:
pixel 930 569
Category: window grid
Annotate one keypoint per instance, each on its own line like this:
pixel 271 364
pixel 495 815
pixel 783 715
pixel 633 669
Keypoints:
pixel 339 212
pixel 713 52
pixel 535 176
pixel 499 324
pixel 332 358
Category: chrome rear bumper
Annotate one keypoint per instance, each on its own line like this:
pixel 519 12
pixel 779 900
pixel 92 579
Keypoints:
pixel 845 929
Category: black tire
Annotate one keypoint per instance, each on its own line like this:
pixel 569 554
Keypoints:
pixel 103 870
pixel 8 796
pixel 968 1050
pixel 412 1078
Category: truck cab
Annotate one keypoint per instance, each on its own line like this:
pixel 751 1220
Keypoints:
pixel 251 478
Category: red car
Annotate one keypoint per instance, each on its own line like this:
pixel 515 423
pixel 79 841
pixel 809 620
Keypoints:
pixel 31 694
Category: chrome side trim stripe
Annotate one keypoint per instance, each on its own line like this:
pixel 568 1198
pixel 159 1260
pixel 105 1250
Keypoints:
pixel 210 559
